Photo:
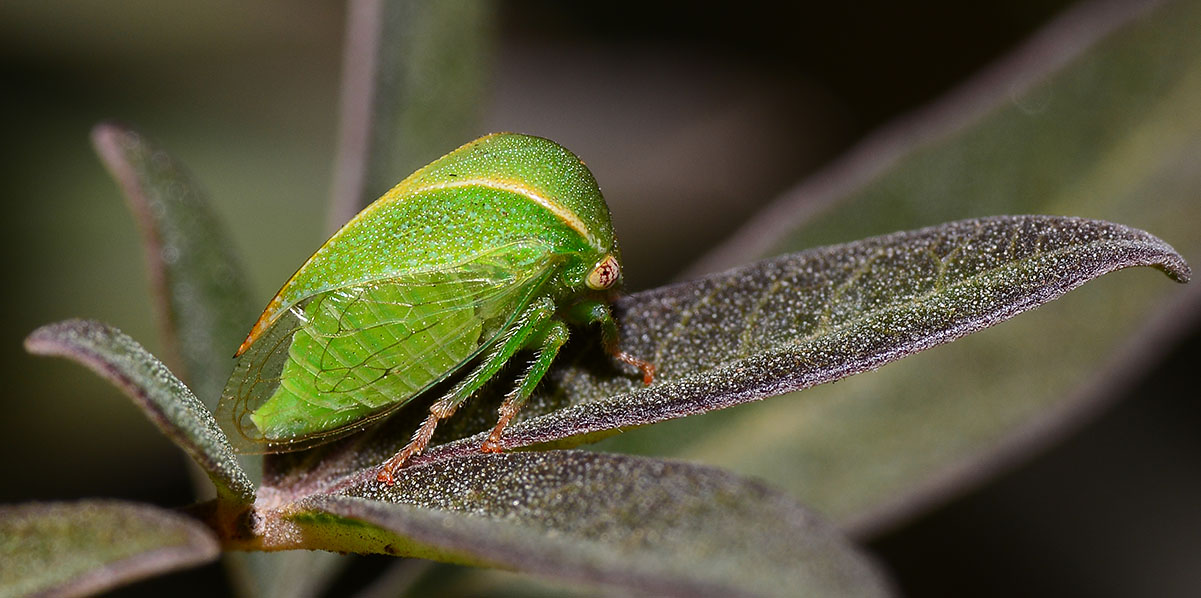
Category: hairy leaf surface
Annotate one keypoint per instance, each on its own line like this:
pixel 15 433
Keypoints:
pixel 645 525
pixel 163 397
pixel 1094 116
pixel 782 325
pixel 83 548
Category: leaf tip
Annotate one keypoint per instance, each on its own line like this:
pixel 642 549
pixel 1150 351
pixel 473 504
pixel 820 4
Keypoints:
pixel 1150 250
pixel 114 143
pixel 1177 269
pixel 47 339
pixel 108 137
pixel 1170 262
pixel 35 342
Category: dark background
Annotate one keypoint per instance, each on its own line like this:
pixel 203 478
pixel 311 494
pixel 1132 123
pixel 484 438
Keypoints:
pixel 245 94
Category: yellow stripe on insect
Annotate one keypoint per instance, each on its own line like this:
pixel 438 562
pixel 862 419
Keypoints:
pixel 559 210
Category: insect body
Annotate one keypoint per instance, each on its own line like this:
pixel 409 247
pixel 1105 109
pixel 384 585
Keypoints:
pixel 485 252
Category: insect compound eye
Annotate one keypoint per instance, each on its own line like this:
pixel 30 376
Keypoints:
pixel 604 274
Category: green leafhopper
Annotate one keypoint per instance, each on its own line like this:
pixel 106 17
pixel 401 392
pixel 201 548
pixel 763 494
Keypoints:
pixel 490 250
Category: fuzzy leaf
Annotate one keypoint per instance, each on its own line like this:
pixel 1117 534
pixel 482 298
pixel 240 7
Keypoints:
pixel 78 549
pixel 639 524
pixel 1095 116
pixel 163 397
pixel 204 301
pixel 777 326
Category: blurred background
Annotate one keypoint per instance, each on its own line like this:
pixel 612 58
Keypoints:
pixel 246 95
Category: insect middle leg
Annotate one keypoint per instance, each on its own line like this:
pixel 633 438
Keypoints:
pixel 552 339
pixel 532 320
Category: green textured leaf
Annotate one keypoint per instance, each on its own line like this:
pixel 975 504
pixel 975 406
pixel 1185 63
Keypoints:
pixel 414 74
pixel 204 300
pixel 78 549
pixel 640 524
pixel 163 397
pixel 1096 116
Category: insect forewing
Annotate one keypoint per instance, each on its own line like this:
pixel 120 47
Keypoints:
pixel 350 355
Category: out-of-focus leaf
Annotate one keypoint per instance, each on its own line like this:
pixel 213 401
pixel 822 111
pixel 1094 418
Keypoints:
pixel 779 325
pixel 204 301
pixel 163 397
pixel 413 77
pixel 400 579
pixel 640 524
pixel 78 549
pixel 1097 116
pixel 292 574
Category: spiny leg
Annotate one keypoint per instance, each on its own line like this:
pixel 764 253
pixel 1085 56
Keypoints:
pixel 530 321
pixel 553 337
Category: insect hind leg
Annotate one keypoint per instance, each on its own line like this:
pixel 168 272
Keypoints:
pixel 533 319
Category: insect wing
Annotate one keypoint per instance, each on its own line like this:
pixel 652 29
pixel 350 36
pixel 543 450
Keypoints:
pixel 350 355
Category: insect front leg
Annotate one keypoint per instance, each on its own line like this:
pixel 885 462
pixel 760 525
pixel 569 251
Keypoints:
pixel 531 320
pixel 588 312
pixel 553 336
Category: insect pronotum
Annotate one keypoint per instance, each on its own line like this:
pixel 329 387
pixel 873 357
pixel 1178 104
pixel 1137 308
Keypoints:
pixel 490 250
